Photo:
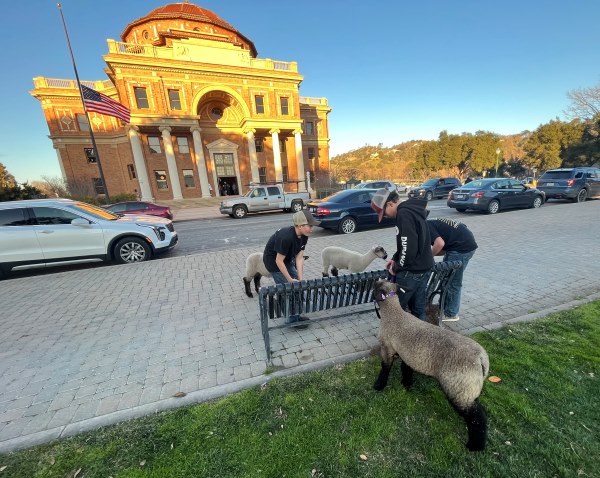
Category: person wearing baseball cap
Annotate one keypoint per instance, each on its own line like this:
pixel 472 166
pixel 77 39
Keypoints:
pixel 413 260
pixel 284 254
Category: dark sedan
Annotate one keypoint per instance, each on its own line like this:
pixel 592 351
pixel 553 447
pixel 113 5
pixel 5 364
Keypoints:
pixel 347 211
pixel 140 207
pixel 494 194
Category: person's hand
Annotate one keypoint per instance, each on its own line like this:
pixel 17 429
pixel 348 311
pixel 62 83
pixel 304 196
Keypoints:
pixel 294 280
pixel 389 266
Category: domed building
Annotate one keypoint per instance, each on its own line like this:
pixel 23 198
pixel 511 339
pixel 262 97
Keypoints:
pixel 206 114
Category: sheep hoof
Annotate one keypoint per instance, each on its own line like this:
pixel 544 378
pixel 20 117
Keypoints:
pixel 475 446
pixel 247 287
pixel 379 386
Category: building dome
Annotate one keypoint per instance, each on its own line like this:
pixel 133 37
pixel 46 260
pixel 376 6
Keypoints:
pixel 183 20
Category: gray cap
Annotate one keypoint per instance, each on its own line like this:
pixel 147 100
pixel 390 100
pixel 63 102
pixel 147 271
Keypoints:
pixel 378 202
pixel 303 217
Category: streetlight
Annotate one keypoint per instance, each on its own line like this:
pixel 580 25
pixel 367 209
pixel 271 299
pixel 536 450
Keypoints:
pixel 497 158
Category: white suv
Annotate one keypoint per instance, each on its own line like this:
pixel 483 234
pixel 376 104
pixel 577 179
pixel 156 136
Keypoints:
pixel 48 232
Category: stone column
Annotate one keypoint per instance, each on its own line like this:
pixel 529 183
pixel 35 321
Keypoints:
pixel 299 159
pixel 276 155
pixel 171 164
pixel 253 158
pixel 60 163
pixel 200 162
pixel 139 163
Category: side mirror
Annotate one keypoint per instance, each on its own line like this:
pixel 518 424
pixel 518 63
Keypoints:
pixel 80 222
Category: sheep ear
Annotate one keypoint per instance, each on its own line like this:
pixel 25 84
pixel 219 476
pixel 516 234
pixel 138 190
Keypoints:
pixel 379 295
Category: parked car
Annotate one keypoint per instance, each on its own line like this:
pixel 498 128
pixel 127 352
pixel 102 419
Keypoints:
pixel 140 207
pixel 347 211
pixel 39 233
pixel 264 198
pixel 494 194
pixel 576 184
pixel 434 188
pixel 376 185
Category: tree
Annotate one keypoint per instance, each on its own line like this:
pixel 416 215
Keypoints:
pixel 7 180
pixel 585 103
pixel 547 146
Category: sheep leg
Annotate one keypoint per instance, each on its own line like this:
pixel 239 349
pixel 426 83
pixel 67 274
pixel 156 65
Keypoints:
pixel 334 271
pixel 387 360
pixel 476 421
pixel 247 287
pixel 407 375
pixel 257 277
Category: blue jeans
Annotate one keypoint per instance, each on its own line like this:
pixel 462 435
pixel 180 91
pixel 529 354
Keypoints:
pixel 415 298
pixel 452 303
pixel 279 278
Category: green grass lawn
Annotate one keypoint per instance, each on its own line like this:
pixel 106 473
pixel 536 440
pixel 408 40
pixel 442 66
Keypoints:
pixel 543 420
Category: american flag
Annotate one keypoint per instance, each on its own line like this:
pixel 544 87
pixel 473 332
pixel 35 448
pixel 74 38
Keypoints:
pixel 100 103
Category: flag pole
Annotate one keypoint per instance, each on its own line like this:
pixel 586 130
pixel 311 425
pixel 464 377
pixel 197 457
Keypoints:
pixel 87 115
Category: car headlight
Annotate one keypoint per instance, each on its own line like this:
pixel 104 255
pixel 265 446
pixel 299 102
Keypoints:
pixel 159 231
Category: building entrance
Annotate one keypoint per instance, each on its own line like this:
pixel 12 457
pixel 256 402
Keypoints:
pixel 228 186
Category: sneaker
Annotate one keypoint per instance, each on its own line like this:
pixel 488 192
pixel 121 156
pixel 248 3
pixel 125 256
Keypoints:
pixel 451 319
pixel 301 323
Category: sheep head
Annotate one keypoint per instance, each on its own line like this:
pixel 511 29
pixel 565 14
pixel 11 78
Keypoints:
pixel 379 252
pixel 383 289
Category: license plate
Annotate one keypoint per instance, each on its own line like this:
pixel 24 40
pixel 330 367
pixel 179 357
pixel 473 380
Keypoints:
pixel 549 184
pixel 459 196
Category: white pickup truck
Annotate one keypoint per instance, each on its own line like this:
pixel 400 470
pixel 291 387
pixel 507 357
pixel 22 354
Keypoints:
pixel 264 198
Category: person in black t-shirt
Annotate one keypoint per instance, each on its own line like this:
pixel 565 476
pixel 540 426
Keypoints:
pixel 284 253
pixel 454 241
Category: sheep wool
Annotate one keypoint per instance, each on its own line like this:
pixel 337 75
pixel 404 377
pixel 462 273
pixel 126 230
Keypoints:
pixel 340 258
pixel 457 362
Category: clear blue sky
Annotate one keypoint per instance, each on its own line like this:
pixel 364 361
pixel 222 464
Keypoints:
pixel 392 71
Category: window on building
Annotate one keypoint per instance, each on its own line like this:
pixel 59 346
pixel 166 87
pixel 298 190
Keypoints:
pixel 284 173
pixel 90 154
pixel 224 164
pixel 262 175
pixel 141 97
pixel 182 144
pixel 188 178
pixel 98 185
pixel 309 128
pixel 258 144
pixel 161 179
pixel 282 145
pixel 131 171
pixel 154 144
pixel 216 113
pixel 259 102
pixel 83 123
pixel 311 153
pixel 174 100
pixel 284 102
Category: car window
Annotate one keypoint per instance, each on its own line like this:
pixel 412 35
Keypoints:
pixel 515 185
pixel 579 175
pixel 136 206
pixel 52 216
pixel 257 193
pixel 360 198
pixel 13 217
pixel 118 208
pixel 590 174
pixel 499 185
pixel 273 191
pixel 557 174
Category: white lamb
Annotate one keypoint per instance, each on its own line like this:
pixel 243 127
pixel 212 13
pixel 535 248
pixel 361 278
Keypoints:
pixel 340 258
pixel 255 269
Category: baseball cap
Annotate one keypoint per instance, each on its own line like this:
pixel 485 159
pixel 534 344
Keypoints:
pixel 304 217
pixel 378 202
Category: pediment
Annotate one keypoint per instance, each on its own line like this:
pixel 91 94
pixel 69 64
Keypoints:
pixel 222 145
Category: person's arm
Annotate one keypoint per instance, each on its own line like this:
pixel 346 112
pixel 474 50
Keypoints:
pixel 282 268
pixel 437 248
pixel 300 264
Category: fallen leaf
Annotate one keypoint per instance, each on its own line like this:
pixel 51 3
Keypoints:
pixel 507 442
pixel 52 461
pixel 180 394
pixel 494 379
pixel 2 468
pixel 142 463
pixel 363 457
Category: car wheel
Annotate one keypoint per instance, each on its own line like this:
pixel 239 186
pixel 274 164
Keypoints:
pixel 297 206
pixel 348 225
pixel 581 195
pixel 537 201
pixel 132 249
pixel 240 212
pixel 461 209
pixel 493 207
pixel 429 196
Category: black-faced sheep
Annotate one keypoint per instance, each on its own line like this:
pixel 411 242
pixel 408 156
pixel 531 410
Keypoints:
pixel 255 269
pixel 458 363
pixel 340 258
